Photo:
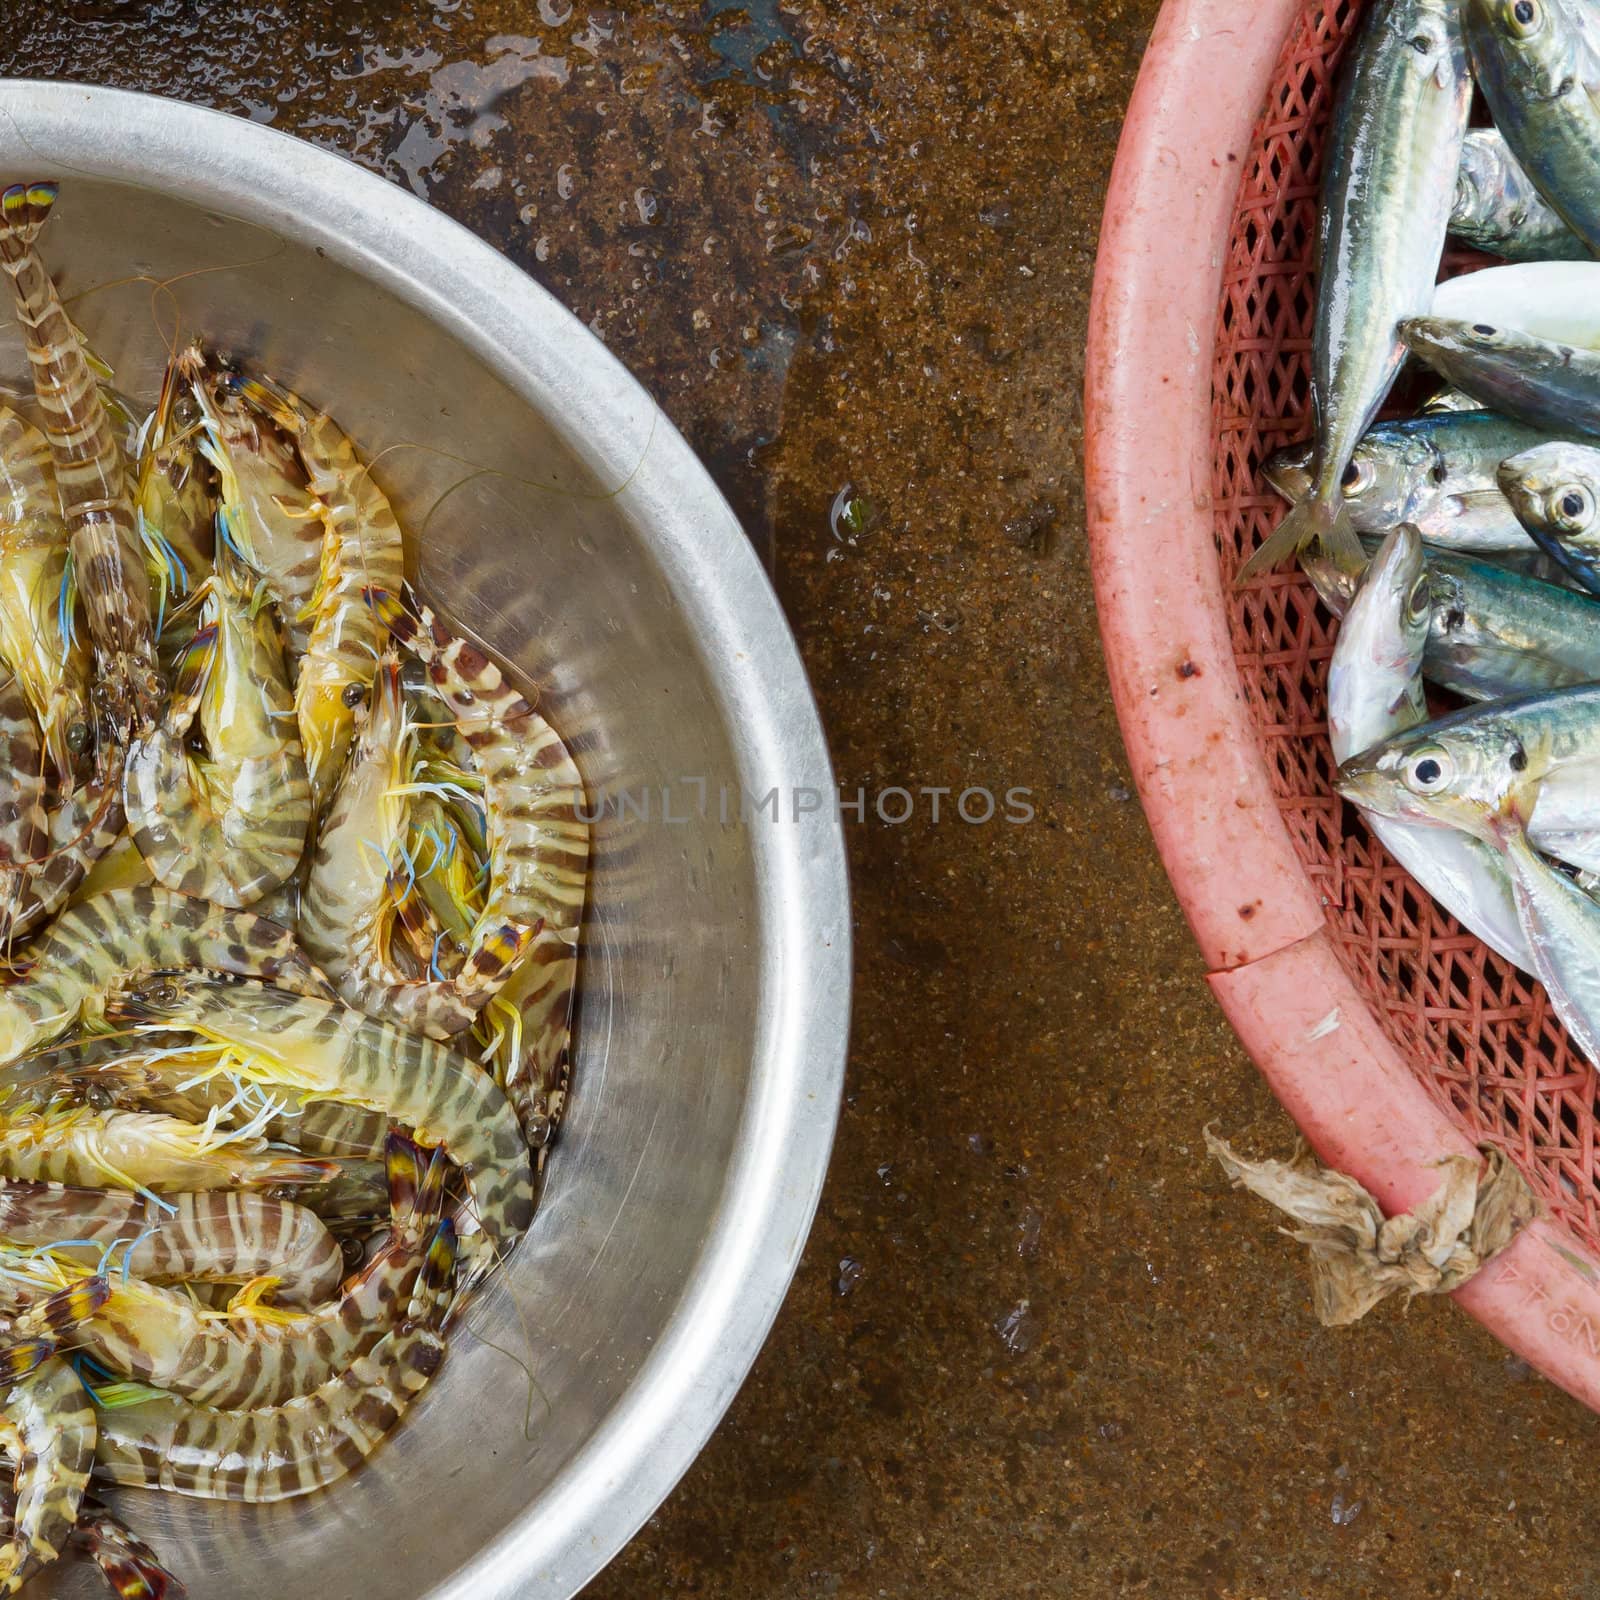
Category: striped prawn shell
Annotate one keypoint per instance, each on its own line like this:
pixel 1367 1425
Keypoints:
pixel 538 856
pixel 291 1449
pixel 91 476
pixel 544 991
pixel 233 828
pixel 52 667
pixel 533 796
pixel 24 825
pixel 82 828
pixel 85 1147
pixel 231 1234
pixel 345 911
pixel 361 554
pixel 418 1083
pixel 111 939
pixel 48 1420
pixel 265 498
pixel 106 1071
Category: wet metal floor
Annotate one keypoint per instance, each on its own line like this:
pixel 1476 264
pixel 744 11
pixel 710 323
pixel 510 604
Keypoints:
pixel 1036 1346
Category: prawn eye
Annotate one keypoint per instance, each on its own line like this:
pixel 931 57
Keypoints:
pixel 78 737
pixel 355 694
pixel 1357 478
pixel 1428 771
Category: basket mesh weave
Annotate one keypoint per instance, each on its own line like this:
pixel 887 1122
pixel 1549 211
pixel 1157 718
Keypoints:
pixel 1479 1034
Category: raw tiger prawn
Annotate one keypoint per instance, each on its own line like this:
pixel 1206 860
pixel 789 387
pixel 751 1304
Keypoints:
pixel 361 554
pixel 232 826
pixel 39 638
pixel 537 858
pixel 348 911
pixel 91 474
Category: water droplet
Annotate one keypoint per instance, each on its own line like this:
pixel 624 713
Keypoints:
pixel 1017 1329
pixel 1029 1225
pixel 849 515
pixel 850 1274
pixel 1342 1511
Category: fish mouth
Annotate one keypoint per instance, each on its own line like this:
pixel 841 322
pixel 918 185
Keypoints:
pixel 1361 782
pixel 1288 475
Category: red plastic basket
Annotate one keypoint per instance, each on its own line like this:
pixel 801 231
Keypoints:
pixel 1391 1035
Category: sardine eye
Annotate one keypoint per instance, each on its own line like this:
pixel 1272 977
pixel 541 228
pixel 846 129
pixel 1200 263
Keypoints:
pixel 1439 472
pixel 1421 43
pixel 1525 15
pixel 1484 329
pixel 1428 771
pixel 1571 507
pixel 355 694
pixel 1357 478
pixel 1518 759
pixel 1420 601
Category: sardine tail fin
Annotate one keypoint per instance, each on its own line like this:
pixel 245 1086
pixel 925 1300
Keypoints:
pixel 24 209
pixel 1321 523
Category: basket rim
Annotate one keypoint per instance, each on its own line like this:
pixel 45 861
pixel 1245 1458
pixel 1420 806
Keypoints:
pixel 1191 743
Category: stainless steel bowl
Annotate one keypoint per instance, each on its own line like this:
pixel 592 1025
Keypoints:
pixel 561 517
